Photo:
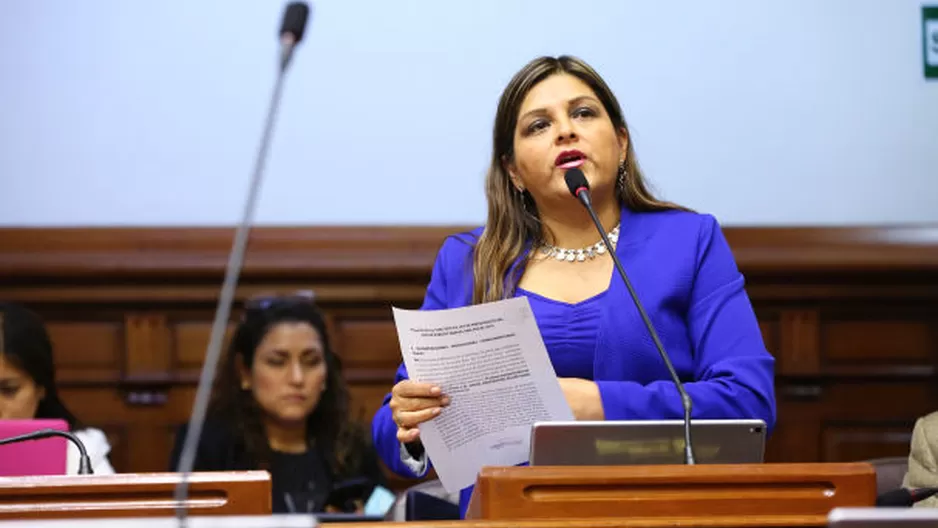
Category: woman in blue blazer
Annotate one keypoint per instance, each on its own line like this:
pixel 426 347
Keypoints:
pixel 539 241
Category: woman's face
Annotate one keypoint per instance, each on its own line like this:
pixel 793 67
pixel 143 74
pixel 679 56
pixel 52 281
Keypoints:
pixel 562 125
pixel 19 394
pixel 288 376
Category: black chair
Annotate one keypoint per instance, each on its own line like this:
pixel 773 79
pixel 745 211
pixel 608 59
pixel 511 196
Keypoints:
pixel 414 503
pixel 890 471
pixel 425 507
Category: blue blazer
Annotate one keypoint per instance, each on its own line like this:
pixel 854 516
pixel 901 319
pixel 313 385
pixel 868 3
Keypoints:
pixel 683 270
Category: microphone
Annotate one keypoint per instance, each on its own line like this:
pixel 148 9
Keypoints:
pixel 579 188
pixel 84 463
pixel 291 32
pixel 904 498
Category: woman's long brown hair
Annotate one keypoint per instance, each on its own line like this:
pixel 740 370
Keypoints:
pixel 513 221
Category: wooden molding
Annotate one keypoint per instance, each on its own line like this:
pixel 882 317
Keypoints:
pixel 128 494
pixel 699 495
pixel 848 313
pixel 400 251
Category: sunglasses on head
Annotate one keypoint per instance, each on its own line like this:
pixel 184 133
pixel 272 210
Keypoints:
pixel 263 302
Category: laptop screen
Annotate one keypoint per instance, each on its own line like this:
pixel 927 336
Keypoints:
pixel 645 442
pixel 32 457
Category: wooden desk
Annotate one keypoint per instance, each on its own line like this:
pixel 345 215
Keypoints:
pixel 780 522
pixel 134 495
pixel 306 521
pixel 701 496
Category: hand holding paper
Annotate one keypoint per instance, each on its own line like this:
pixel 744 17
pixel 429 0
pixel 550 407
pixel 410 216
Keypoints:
pixel 413 403
pixel 491 362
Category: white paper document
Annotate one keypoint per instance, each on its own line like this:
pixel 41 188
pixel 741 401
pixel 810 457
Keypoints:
pixel 491 361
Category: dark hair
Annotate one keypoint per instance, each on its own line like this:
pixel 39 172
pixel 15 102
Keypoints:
pixel 329 427
pixel 26 345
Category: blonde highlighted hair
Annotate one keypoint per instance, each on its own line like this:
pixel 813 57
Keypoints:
pixel 513 221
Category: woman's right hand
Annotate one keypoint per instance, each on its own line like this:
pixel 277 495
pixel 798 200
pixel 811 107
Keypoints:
pixel 413 403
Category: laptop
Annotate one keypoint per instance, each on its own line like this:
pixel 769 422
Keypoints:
pixel 646 442
pixel 883 518
pixel 32 457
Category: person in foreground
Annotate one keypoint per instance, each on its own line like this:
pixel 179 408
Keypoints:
pixel 539 241
pixel 28 390
pixel 923 459
pixel 280 403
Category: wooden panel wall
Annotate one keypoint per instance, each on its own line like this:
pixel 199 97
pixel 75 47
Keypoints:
pixel 851 315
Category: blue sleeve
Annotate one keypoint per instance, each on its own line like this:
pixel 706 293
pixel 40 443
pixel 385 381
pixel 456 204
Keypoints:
pixel 383 428
pixel 734 373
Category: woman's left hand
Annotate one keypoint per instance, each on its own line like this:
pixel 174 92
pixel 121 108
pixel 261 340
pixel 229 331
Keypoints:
pixel 583 398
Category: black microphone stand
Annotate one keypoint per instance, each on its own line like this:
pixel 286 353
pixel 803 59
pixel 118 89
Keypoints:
pixel 293 26
pixel 583 195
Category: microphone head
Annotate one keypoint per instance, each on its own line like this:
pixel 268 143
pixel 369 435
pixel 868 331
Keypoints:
pixel 294 21
pixel 576 181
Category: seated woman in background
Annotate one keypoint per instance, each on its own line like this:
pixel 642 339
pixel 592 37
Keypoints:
pixel 923 458
pixel 27 385
pixel 280 403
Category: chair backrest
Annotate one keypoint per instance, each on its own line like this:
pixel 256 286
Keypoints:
pixel 428 497
pixel 424 507
pixel 890 471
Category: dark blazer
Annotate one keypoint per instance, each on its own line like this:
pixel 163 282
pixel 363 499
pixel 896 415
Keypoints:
pixel 300 483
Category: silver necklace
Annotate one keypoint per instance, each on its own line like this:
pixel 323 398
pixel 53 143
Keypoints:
pixel 580 255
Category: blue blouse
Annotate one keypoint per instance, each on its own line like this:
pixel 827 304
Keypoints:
pixel 569 332
pixel 683 270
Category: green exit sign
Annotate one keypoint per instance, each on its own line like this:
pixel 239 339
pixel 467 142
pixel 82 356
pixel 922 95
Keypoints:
pixel 930 40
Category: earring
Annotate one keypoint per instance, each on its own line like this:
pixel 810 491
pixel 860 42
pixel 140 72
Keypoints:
pixel 524 203
pixel 622 173
pixel 245 385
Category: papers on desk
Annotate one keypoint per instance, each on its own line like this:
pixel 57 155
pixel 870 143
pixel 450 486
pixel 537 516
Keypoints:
pixel 491 361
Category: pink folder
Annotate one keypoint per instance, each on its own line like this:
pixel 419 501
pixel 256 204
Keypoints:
pixel 32 457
